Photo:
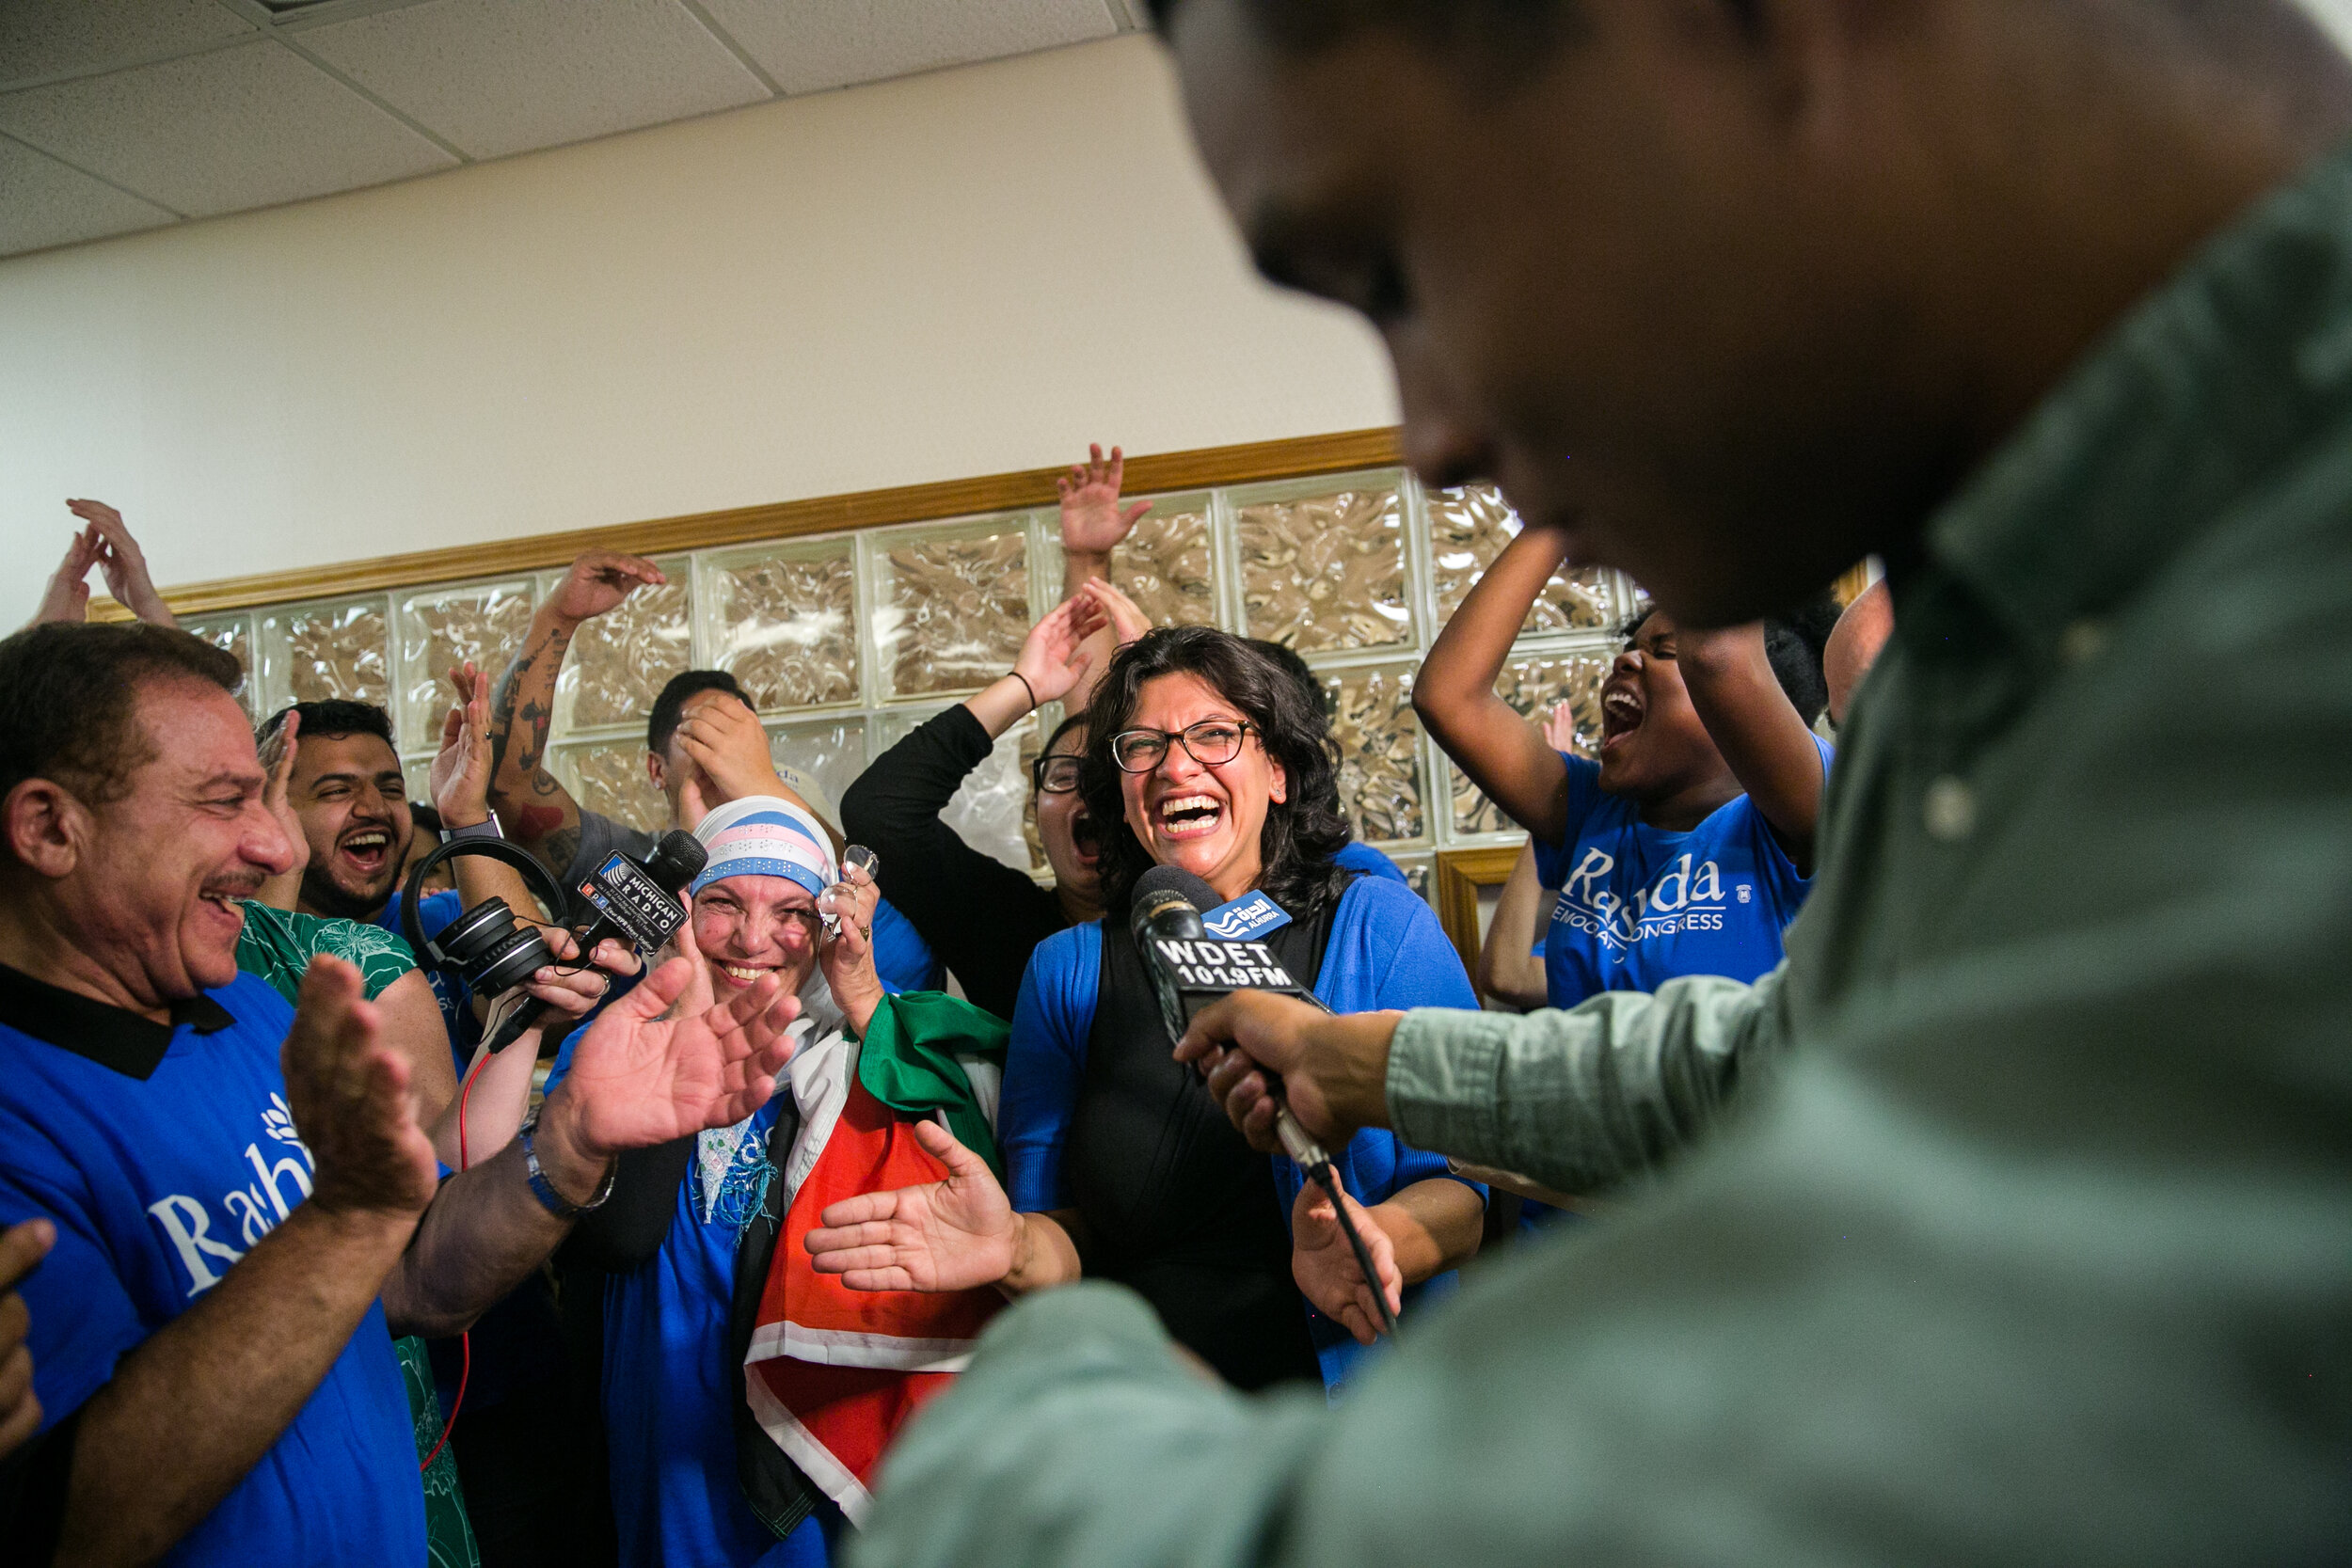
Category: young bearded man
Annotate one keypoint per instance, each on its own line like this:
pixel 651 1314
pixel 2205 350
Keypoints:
pixel 2034 1243
pixel 244 1201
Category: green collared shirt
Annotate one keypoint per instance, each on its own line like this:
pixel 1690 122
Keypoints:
pixel 2034 1245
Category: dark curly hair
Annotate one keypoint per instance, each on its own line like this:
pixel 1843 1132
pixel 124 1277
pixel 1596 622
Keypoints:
pixel 1301 834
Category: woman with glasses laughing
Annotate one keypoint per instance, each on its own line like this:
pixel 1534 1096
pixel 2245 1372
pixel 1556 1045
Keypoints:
pixel 1119 1165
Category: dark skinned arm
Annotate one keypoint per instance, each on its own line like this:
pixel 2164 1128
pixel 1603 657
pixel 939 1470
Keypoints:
pixel 537 812
pixel 1510 969
pixel 1759 733
pixel 1454 692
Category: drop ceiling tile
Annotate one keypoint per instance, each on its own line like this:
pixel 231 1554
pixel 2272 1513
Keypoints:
pixel 41 38
pixel 43 202
pixel 246 126
pixel 498 76
pixel 808 45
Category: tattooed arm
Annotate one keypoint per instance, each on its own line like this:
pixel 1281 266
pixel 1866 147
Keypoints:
pixel 539 813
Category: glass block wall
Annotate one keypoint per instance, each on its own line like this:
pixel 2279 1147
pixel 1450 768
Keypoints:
pixel 846 641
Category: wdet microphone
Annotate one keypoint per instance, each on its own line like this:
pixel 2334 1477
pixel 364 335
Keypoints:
pixel 639 904
pixel 1190 968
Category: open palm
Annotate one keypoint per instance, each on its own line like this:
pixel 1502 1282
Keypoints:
pixel 1093 521
pixel 951 1235
pixel 640 1079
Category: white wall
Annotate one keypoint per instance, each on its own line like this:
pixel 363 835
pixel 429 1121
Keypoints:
pixel 959 274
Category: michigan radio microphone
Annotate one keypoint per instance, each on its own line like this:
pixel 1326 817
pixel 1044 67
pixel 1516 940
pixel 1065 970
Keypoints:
pixel 637 903
pixel 1190 968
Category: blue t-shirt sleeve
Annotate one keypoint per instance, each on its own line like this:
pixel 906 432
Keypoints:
pixel 1423 970
pixel 82 1319
pixel 1551 860
pixel 902 958
pixel 1356 855
pixel 1387 950
pixel 1044 1064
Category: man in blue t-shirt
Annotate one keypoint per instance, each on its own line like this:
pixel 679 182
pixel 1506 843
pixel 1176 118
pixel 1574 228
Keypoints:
pixel 244 1204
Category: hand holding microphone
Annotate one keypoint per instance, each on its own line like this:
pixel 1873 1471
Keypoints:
pixel 1191 972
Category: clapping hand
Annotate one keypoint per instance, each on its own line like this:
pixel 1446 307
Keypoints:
pixel 67 598
pixel 460 776
pixel 348 1094
pixel 644 1075
pixel 1054 655
pixel 124 563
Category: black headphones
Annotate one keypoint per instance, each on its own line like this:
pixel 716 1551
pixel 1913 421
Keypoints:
pixel 486 946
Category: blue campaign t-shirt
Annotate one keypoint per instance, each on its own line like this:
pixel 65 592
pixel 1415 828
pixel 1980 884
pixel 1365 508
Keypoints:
pixel 1386 950
pixel 669 1395
pixel 1640 906
pixel 163 1154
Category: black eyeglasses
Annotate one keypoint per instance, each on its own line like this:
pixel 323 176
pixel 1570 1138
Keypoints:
pixel 1210 743
pixel 1055 775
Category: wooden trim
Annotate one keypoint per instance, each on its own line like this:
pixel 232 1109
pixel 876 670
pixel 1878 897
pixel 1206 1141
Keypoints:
pixel 1460 874
pixel 1158 474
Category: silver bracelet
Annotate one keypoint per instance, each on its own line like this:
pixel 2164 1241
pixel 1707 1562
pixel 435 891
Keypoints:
pixel 544 1190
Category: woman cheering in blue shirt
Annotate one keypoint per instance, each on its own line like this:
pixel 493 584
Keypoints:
pixel 1119 1164
pixel 1688 848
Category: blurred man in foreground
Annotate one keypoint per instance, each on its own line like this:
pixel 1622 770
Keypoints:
pixel 2035 1243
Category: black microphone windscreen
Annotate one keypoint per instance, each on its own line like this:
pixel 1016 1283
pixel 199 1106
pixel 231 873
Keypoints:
pixel 1175 879
pixel 677 860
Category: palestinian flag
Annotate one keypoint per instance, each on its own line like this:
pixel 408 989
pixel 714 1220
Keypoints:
pixel 832 1373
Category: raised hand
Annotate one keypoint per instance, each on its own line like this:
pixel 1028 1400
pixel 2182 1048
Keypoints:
pixel 1558 727
pixel 951 1235
pixel 22 1248
pixel 729 751
pixel 847 955
pixel 460 776
pixel 348 1092
pixel 698 994
pixel 1093 521
pixel 67 598
pixel 278 755
pixel 1125 617
pixel 124 562
pixel 1324 1265
pixel 641 1076
pixel 1054 655
pixel 599 581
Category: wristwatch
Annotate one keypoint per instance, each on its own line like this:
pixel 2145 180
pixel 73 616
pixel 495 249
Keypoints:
pixel 544 1190
pixel 476 830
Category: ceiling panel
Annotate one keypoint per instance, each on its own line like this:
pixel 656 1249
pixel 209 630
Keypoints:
pixel 43 203
pixel 499 76
pixel 809 45
pixel 246 126
pixel 41 38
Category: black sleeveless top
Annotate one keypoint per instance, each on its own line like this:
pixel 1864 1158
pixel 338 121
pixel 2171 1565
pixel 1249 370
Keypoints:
pixel 1177 1206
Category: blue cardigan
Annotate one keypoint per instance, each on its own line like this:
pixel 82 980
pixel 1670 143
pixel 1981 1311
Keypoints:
pixel 1386 950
